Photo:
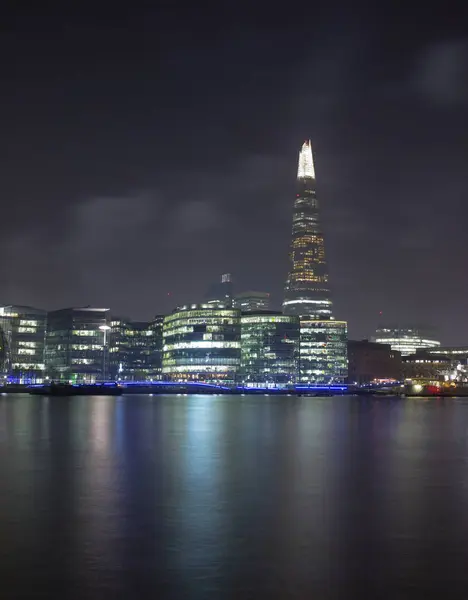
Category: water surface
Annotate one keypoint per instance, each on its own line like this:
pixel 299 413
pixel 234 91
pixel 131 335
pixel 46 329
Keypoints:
pixel 233 497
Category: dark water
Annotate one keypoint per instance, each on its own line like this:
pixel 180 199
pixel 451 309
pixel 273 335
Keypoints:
pixel 222 497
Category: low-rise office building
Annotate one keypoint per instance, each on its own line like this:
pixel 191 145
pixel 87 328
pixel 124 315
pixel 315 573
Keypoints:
pixel 323 351
pixel 201 342
pixel 135 349
pixel 77 345
pixel 406 340
pixel 23 337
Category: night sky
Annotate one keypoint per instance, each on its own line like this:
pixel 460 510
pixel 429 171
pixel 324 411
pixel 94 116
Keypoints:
pixel 146 151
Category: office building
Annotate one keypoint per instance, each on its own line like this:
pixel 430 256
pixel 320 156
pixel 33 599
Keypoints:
pixel 369 362
pixel 307 291
pixel 425 367
pixel 455 352
pixel 221 292
pixel 23 336
pixel 201 342
pixel 135 349
pixel 323 351
pixel 252 301
pixel 77 345
pixel 269 349
pixel 406 340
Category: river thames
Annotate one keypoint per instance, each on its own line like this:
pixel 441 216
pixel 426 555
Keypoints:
pixel 233 497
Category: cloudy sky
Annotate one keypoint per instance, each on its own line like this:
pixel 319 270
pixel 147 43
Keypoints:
pixel 145 151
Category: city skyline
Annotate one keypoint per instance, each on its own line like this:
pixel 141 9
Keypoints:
pixel 135 171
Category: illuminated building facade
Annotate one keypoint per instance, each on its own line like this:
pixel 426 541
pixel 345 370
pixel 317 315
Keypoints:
pixel 252 301
pixel 269 349
pixel 201 342
pixel 307 291
pixel 135 349
pixel 23 335
pixel 77 345
pixel 407 340
pixel 323 351
pixel 427 367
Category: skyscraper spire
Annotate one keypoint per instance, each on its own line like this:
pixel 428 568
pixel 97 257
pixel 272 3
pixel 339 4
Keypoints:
pixel 306 290
pixel 306 162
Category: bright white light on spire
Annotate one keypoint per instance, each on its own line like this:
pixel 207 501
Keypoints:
pixel 306 162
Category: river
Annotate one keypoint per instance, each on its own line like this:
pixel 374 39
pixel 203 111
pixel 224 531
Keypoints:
pixel 218 497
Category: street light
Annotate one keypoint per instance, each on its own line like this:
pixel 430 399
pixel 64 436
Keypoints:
pixel 104 329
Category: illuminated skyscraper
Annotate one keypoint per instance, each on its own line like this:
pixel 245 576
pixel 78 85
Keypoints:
pixel 306 291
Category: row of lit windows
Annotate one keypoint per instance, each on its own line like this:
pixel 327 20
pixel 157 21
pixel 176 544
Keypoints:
pixel 86 347
pixel 247 319
pixel 201 314
pixel 171 360
pixel 195 368
pixel 201 344
pixel 87 332
pixel 82 361
pixel 27 344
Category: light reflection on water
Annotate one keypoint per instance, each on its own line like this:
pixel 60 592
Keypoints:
pixel 209 497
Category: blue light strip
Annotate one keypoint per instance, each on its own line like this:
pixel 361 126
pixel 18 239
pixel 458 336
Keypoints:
pixel 322 387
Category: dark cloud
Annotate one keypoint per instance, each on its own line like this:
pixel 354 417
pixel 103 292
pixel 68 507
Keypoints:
pixel 154 152
pixel 441 73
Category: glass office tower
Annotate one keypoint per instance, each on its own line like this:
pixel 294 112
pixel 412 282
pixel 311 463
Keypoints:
pixel 23 337
pixel 135 349
pixel 323 351
pixel 269 349
pixel 77 345
pixel 306 290
pixel 252 301
pixel 201 342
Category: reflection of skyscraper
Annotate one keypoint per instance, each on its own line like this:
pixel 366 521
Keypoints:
pixel 306 290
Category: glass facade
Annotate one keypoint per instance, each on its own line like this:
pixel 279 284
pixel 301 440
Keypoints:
pixel 407 340
pixel 201 342
pixel 252 301
pixel 323 351
pixel 135 349
pixel 307 291
pixel 269 350
pixel 77 345
pixel 23 335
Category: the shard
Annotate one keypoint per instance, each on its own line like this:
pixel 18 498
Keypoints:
pixel 306 291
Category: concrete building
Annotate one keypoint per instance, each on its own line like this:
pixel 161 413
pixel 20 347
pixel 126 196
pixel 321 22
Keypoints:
pixel 369 362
